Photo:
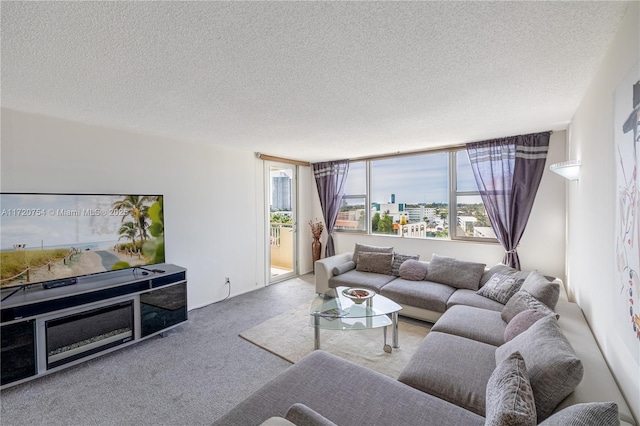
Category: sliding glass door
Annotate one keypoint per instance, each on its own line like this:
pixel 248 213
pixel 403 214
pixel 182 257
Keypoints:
pixel 281 218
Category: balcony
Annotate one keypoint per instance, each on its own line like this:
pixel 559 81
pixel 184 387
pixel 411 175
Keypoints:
pixel 281 242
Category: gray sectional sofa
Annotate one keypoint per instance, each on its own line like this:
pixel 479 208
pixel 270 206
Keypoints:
pixel 483 362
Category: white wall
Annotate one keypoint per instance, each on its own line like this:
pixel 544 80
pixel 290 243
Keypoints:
pixel 542 246
pixel 214 199
pixel 591 207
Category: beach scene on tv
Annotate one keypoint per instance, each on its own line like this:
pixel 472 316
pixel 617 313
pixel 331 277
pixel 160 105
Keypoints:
pixel 46 237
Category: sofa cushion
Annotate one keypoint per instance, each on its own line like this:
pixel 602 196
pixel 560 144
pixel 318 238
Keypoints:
pixel 345 267
pixel 399 259
pixel 482 325
pixel 371 249
pixel 542 289
pixel 355 278
pixel 552 366
pixel 471 298
pixel 501 287
pixel 277 421
pixel 413 270
pixel 522 322
pixel 504 270
pixel 347 394
pixel 521 301
pixel 510 399
pixel 452 368
pixel 300 414
pixel 379 263
pixel 421 294
pixel 586 414
pixel 454 272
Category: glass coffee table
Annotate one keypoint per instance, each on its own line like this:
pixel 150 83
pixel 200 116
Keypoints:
pixel 334 311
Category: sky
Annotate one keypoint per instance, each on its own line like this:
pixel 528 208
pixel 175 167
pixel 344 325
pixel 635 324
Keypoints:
pixel 413 179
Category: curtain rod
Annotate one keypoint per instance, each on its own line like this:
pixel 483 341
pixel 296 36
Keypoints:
pixel 408 153
pixel 418 152
pixel 282 160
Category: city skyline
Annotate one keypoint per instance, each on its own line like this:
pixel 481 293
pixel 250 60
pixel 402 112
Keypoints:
pixel 413 179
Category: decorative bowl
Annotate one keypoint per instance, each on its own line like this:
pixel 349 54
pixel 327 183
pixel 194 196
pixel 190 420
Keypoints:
pixel 358 295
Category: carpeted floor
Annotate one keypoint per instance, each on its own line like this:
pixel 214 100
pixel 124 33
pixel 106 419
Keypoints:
pixel 290 336
pixel 191 377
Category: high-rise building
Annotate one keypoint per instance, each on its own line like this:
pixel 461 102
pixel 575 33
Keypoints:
pixel 281 192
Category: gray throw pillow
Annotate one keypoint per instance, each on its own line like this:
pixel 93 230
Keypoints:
pixel 504 270
pixel 300 414
pixel 521 301
pixel 398 259
pixel 454 272
pixel 413 270
pixel 552 366
pixel 510 400
pixel 371 249
pixel 522 322
pixel 501 288
pixel 380 263
pixel 542 289
pixel 345 267
pixel 586 414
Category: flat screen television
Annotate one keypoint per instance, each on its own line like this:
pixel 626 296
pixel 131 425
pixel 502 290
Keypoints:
pixel 52 237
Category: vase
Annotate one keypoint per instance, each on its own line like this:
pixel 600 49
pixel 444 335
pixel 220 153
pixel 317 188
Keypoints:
pixel 316 247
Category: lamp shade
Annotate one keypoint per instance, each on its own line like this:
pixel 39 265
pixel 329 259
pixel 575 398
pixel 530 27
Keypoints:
pixel 567 169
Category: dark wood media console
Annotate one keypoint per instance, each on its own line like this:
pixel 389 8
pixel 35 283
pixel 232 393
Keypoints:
pixel 45 330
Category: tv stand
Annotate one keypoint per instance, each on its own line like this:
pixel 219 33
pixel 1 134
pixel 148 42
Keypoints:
pixel 44 330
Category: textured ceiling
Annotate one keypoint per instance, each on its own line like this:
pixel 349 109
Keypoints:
pixel 307 80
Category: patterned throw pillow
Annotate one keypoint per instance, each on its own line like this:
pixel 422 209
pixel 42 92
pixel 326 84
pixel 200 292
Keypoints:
pixel 398 259
pixel 379 263
pixel 521 301
pixel 542 289
pixel 503 269
pixel 501 288
pixel 510 400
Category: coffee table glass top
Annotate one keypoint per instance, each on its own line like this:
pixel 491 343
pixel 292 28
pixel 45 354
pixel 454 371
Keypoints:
pixel 337 312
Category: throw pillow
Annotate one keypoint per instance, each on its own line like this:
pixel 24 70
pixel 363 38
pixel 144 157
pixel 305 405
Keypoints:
pixel 542 289
pixel 380 263
pixel 345 267
pixel 398 259
pixel 510 400
pixel 500 288
pixel 522 322
pixel 371 249
pixel 300 414
pixel 586 414
pixel 504 270
pixel 413 270
pixel 454 272
pixel 552 366
pixel 521 301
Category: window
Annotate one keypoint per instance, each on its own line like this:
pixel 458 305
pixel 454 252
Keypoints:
pixel 429 195
pixel 353 212
pixel 409 195
pixel 472 221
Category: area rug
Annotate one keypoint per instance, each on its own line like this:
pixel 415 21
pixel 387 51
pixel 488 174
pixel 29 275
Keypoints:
pixel 290 336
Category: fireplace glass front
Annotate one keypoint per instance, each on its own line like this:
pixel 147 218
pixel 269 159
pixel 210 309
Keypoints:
pixel 78 335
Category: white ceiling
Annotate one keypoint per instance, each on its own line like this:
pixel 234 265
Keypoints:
pixel 307 80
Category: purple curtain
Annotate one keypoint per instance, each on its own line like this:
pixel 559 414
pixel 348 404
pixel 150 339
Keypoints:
pixel 330 178
pixel 508 172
